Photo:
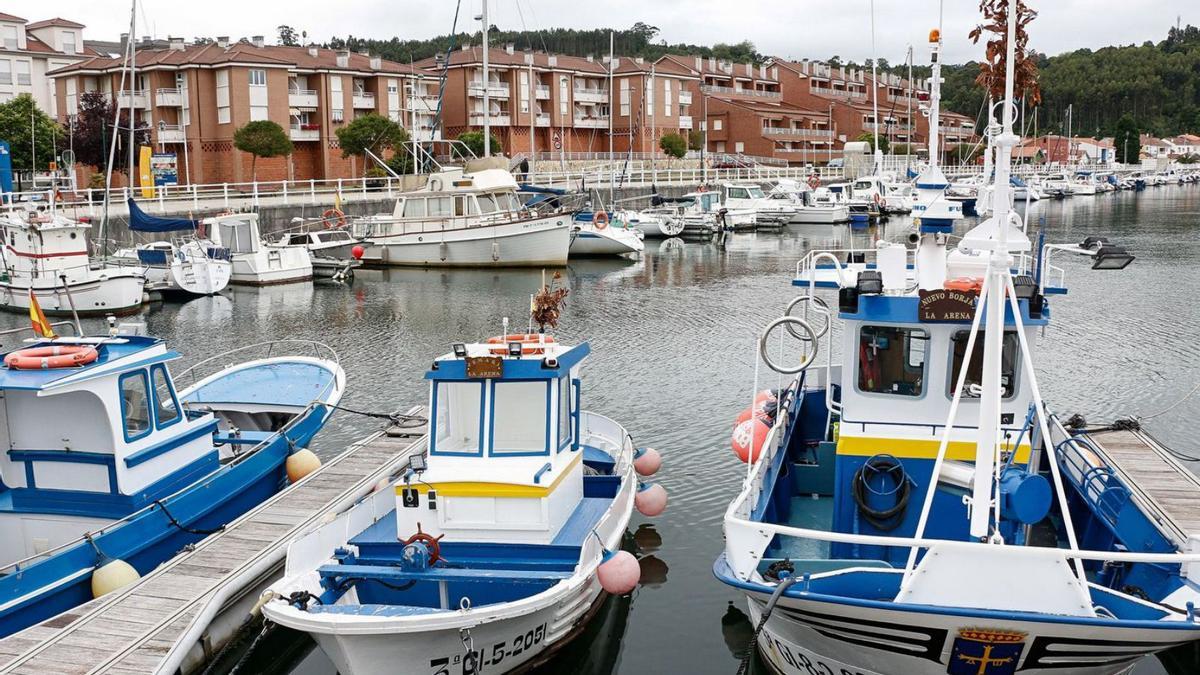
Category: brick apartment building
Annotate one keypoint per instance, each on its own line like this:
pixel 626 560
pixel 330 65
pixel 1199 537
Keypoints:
pixel 194 96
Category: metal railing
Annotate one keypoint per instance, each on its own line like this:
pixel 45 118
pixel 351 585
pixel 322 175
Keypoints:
pixel 803 133
pixel 838 93
pixel 733 91
pixel 320 350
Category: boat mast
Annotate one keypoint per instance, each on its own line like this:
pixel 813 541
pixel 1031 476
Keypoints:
pixel 612 173
pixel 875 95
pixel 132 95
pixel 935 89
pixel 908 137
pixel 487 101
pixel 116 131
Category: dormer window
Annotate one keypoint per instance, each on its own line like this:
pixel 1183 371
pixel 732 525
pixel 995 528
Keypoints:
pixel 9 33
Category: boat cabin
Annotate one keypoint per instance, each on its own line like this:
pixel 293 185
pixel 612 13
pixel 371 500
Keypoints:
pixel 505 462
pixel 238 232
pixel 83 445
pixel 453 198
pixel 43 243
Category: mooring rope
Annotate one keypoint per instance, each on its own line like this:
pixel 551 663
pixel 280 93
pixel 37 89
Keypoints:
pixel 762 622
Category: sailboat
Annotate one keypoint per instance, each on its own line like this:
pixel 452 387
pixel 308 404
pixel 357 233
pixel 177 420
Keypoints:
pixel 916 508
pixel 187 266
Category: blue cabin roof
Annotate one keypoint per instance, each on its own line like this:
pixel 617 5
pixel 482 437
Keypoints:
pixel 110 351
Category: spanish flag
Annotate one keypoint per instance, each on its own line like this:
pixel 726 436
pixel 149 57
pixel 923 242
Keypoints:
pixel 40 325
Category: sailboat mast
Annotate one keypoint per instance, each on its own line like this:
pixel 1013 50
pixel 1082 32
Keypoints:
pixel 935 89
pixel 875 93
pixel 612 178
pixel 116 131
pixel 132 91
pixel 487 101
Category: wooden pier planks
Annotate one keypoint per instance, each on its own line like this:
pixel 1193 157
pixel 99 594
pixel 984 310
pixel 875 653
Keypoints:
pixel 1163 485
pixel 131 630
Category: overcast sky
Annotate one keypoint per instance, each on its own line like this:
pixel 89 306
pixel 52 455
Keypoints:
pixel 789 28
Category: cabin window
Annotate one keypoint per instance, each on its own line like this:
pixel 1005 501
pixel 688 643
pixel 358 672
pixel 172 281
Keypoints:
pixel 891 360
pixel 166 408
pixel 238 235
pixel 1008 363
pixel 439 207
pixel 487 204
pixel 135 404
pixel 459 407
pixel 739 193
pixel 414 208
pixel 564 412
pixel 520 423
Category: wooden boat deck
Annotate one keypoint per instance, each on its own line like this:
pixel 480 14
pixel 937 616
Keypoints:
pixel 1168 491
pixel 128 632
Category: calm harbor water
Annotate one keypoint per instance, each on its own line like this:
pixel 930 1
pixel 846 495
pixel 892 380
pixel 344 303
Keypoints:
pixel 673 337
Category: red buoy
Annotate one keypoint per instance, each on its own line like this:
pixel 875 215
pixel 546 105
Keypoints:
pixel 748 438
pixel 357 252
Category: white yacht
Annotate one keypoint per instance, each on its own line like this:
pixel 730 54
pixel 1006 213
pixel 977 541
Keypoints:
pixel 464 218
pixel 806 207
pixel 45 254
pixel 651 224
pixel 182 269
pixel 593 233
pixel 750 197
pixel 255 261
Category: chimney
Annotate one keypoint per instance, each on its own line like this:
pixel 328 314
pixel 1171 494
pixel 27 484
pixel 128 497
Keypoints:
pixel 592 59
pixel 223 41
pixel 343 58
pixel 177 44
pixel 124 42
pixel 528 57
pixel 712 63
pixel 466 48
pixel 312 51
pixel 376 63
pixel 258 41
pixel 699 63
pixel 509 48
pixel 552 60
pixel 640 60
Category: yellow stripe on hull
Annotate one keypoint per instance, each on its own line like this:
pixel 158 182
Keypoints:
pixel 917 448
pixel 488 489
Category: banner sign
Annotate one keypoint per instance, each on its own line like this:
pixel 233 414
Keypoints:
pixel 163 166
pixel 145 179
pixel 6 176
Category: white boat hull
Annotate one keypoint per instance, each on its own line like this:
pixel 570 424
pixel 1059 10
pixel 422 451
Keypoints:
pixel 97 292
pixel 609 241
pixel 271 265
pixel 200 277
pixel 821 215
pixel 803 637
pixel 526 243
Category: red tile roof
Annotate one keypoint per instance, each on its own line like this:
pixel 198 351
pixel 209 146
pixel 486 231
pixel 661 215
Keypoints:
pixel 56 21
pixel 10 17
pixel 768 108
pixel 706 67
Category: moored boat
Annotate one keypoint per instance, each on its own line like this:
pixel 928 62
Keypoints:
pixel 595 233
pixel 256 262
pixel 185 266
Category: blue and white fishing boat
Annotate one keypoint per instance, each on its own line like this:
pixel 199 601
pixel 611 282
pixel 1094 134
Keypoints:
pixel 932 205
pixel 109 470
pixel 917 508
pixel 495 545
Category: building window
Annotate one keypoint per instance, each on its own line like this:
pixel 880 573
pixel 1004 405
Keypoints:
pixel 563 96
pixel 23 73
pixel 223 116
pixel 337 100
pixel 524 89
pixel 649 102
pixel 625 97
pixel 716 125
pixel 258 78
pixel 971 385
pixel 891 360
pixel 10 37
pixel 68 42
pixel 739 147
pixel 5 71
pixel 667 98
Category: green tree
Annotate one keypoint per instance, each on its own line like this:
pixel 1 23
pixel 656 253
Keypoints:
pixel 262 138
pixel 869 138
pixel 673 145
pixel 288 36
pixel 1127 140
pixel 474 141
pixel 92 132
pixel 695 139
pixel 373 133
pixel 27 130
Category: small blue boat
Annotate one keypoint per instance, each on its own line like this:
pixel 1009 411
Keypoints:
pixel 110 470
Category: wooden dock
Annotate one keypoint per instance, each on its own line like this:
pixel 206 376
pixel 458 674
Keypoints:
pixel 130 631
pixel 1160 483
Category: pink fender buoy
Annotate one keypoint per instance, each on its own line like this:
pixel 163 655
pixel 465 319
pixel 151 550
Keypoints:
pixel 650 499
pixel 748 438
pixel 647 461
pixel 619 572
pixel 763 396
pixel 357 252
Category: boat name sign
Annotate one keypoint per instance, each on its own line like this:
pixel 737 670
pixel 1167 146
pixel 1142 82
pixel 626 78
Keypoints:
pixel 943 304
pixel 484 367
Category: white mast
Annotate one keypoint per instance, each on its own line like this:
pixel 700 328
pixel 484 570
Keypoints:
pixel 875 95
pixel 935 89
pixel 612 173
pixel 132 93
pixel 487 101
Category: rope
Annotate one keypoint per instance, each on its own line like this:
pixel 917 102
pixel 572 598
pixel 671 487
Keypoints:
pixel 399 419
pixel 189 530
pixel 744 666
pixel 267 626
pixel 1172 406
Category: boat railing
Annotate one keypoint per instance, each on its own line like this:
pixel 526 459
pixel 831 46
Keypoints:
pixel 58 325
pixel 205 368
pixel 606 434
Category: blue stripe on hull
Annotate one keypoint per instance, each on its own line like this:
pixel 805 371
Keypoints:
pixel 149 539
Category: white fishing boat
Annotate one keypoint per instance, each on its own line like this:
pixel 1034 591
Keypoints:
pixel 594 233
pixel 916 508
pixel 46 254
pixel 256 262
pixel 807 209
pixel 333 251
pixel 493 548
pixel 466 219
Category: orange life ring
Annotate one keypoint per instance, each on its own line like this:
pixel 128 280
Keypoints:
pixel 814 182
pixel 966 284
pixel 57 356
pixel 877 199
pixel 534 343
pixel 333 218
pixel 600 220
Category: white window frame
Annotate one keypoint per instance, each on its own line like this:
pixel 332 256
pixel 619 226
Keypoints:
pixel 223 110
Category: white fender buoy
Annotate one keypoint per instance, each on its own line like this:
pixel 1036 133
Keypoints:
pixel 619 572
pixel 301 463
pixel 651 499
pixel 111 576
pixel 647 461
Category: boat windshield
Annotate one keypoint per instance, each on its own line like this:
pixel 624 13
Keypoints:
pixel 498 202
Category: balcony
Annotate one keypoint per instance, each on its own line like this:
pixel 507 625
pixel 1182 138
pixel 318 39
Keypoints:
pixel 542 120
pixel 805 134
pixel 840 93
pixel 591 95
pixel 171 133
pixel 169 98
pixel 133 99
pixel 685 122
pixel 904 98
pixel 733 91
pixel 302 99
pixel 495 89
pixel 421 104
pixel 362 100
pixel 542 91
pixel 956 130
pixel 685 98
pixel 498 119
pixel 305 132
pixel 591 122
